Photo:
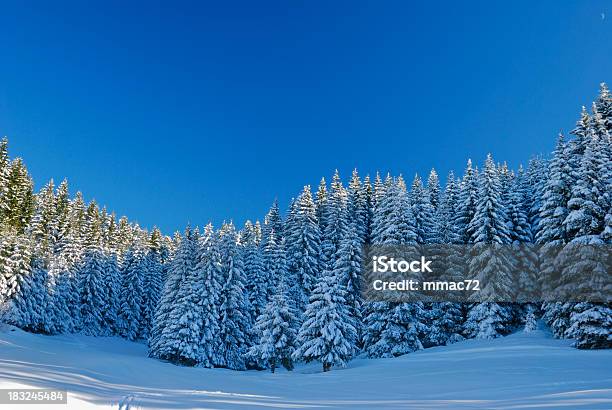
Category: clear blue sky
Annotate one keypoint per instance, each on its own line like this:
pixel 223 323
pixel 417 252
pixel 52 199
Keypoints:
pixel 181 112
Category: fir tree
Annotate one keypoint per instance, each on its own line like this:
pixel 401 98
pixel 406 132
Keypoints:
pixel 276 333
pixel 422 210
pixel 358 211
pixel 177 326
pixel 433 190
pixel 18 201
pixel 328 333
pixel 234 324
pixel 152 285
pixel 257 276
pixel 468 194
pixel 303 246
pixel 489 263
pixel 208 276
pixel 131 295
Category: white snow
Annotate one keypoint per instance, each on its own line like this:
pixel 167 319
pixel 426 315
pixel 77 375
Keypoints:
pixel 524 370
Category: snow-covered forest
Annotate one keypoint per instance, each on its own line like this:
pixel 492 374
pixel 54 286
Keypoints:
pixel 287 290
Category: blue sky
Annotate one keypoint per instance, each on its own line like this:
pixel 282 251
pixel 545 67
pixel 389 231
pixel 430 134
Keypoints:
pixel 176 112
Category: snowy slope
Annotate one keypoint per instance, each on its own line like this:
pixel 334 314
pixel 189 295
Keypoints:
pixel 519 371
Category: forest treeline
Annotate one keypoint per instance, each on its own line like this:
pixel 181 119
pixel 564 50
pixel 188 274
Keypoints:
pixel 289 289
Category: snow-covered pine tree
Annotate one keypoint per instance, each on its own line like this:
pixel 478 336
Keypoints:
pixel 176 333
pixel 603 104
pixel 552 234
pixel 335 224
pixel 446 324
pixel 208 276
pixel 131 293
pixel 489 263
pixel 433 189
pixel 378 190
pixel 256 275
pixel 328 334
pixel 321 204
pixel 589 323
pixel 152 282
pixel 43 225
pixel 368 194
pixel 447 317
pixel 536 180
pixel 59 319
pixel 275 332
pixel 393 329
pixel 234 322
pixel 358 207
pixel 525 258
pixel 278 272
pixel 272 222
pixel 112 297
pixel 422 210
pixel 468 195
pixel 27 308
pixel 4 173
pixel 24 287
pixel 348 272
pixel 90 278
pixel 589 199
pixel 18 200
pixel 445 229
pixel 304 246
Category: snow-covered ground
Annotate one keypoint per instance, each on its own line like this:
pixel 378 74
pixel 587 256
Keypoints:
pixel 520 371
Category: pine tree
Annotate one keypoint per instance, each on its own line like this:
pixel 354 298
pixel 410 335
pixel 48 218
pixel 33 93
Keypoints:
pixel 489 263
pixel 208 276
pixel 348 272
pixel 272 222
pixel 603 105
pixel 393 329
pixel 4 174
pixel 44 224
pixel 588 202
pixel 358 211
pixel 152 283
pixel 131 295
pixel 390 328
pixel 591 325
pixel 19 197
pixel 552 233
pixel 525 258
pixel 234 324
pixel 433 189
pixel 447 317
pixel 275 331
pixel 468 194
pixel 257 276
pixel 446 326
pixel 336 219
pixel 91 285
pixel 60 319
pixel 177 327
pixel 321 205
pixel 536 179
pixel 422 210
pixel 21 283
pixel 304 246
pixel 328 333
pixel 112 295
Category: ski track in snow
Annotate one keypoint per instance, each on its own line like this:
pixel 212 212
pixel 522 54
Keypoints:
pixel 521 371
